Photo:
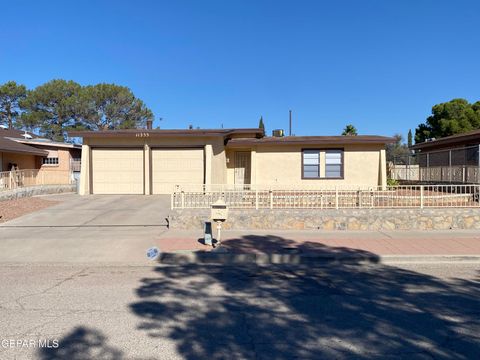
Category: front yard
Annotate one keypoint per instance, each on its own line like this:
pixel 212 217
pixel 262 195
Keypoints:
pixel 11 209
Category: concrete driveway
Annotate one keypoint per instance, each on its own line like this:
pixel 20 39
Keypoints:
pixel 107 228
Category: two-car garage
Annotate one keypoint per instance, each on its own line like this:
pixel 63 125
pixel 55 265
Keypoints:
pixel 152 161
pixel 125 171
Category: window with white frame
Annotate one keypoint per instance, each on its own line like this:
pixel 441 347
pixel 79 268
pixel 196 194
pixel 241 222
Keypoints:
pixel 334 163
pixel 50 161
pixel 311 164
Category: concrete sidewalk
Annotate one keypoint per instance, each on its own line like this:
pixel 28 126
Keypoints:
pixel 391 243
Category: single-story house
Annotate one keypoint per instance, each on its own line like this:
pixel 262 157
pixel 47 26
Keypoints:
pixel 21 150
pixel 450 159
pixel 147 161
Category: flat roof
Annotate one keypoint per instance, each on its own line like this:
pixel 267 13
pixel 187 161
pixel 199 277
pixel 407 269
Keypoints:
pixel 314 140
pixel 251 132
pixel 467 138
pixel 48 143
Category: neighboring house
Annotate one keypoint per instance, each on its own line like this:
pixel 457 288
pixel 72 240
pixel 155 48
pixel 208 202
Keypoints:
pixel 23 150
pixel 450 159
pixel 155 161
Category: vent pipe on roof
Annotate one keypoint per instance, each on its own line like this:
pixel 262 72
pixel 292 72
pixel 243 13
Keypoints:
pixel 290 123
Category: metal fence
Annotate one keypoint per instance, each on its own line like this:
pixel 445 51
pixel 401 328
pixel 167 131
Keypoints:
pixel 459 165
pixel 75 164
pixel 15 179
pixel 414 196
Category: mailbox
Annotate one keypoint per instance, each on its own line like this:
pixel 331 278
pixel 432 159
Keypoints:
pixel 219 211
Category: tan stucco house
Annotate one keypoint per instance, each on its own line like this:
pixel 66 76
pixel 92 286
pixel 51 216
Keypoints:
pixel 150 161
pixel 21 150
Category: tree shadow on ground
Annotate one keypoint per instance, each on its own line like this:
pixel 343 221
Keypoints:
pixel 277 244
pixel 351 310
pixel 80 344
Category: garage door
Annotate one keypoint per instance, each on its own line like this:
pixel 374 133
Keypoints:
pixel 117 171
pixel 171 167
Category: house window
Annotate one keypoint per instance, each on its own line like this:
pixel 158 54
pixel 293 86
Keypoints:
pixel 333 163
pixel 50 161
pixel 311 164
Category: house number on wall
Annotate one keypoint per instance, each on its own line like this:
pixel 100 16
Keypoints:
pixel 142 135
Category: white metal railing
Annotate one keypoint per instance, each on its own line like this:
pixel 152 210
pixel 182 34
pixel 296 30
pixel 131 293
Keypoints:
pixel 15 179
pixel 75 164
pixel 341 197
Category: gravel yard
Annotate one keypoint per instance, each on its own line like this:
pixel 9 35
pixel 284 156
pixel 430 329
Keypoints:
pixel 12 209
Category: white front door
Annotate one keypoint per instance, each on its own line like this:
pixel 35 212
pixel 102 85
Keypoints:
pixel 242 167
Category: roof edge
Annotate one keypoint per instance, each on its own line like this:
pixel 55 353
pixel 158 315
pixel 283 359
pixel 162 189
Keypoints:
pixel 290 140
pixel 471 135
pixel 256 132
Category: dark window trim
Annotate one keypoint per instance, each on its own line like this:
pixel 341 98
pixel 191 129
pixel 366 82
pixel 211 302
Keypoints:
pixel 302 168
pixel 342 169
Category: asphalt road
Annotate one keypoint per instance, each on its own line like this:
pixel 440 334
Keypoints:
pixel 336 311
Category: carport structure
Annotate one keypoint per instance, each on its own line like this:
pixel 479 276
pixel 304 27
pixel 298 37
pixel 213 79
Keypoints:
pixel 147 161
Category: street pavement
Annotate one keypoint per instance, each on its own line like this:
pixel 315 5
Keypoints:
pixel 76 275
pixel 327 311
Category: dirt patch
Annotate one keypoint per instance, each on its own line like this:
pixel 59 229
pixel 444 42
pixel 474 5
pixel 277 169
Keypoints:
pixel 11 209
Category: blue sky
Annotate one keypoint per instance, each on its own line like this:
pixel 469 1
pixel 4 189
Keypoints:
pixel 379 65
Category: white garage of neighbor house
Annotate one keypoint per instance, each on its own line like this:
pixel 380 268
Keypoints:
pixel 146 161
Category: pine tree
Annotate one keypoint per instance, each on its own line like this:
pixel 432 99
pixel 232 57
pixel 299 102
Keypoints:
pixel 261 125
pixel 410 138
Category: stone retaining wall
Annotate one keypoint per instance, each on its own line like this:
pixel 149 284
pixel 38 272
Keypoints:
pixel 36 190
pixel 345 219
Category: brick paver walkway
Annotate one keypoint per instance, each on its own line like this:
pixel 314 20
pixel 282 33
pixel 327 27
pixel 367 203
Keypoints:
pixel 381 243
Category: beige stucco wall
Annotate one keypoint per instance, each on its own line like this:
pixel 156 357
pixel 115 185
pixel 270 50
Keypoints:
pixel 282 165
pixel 230 163
pixel 23 161
pixel 63 160
pixel 85 171
pixel 219 171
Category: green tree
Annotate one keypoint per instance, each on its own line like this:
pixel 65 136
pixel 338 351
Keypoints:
pixel 53 108
pixel 449 118
pixel 261 125
pixel 410 138
pixel 11 94
pixel 110 106
pixel 350 130
pixel 397 151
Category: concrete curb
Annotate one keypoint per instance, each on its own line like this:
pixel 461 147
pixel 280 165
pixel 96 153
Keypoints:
pixel 199 257
pixel 386 259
